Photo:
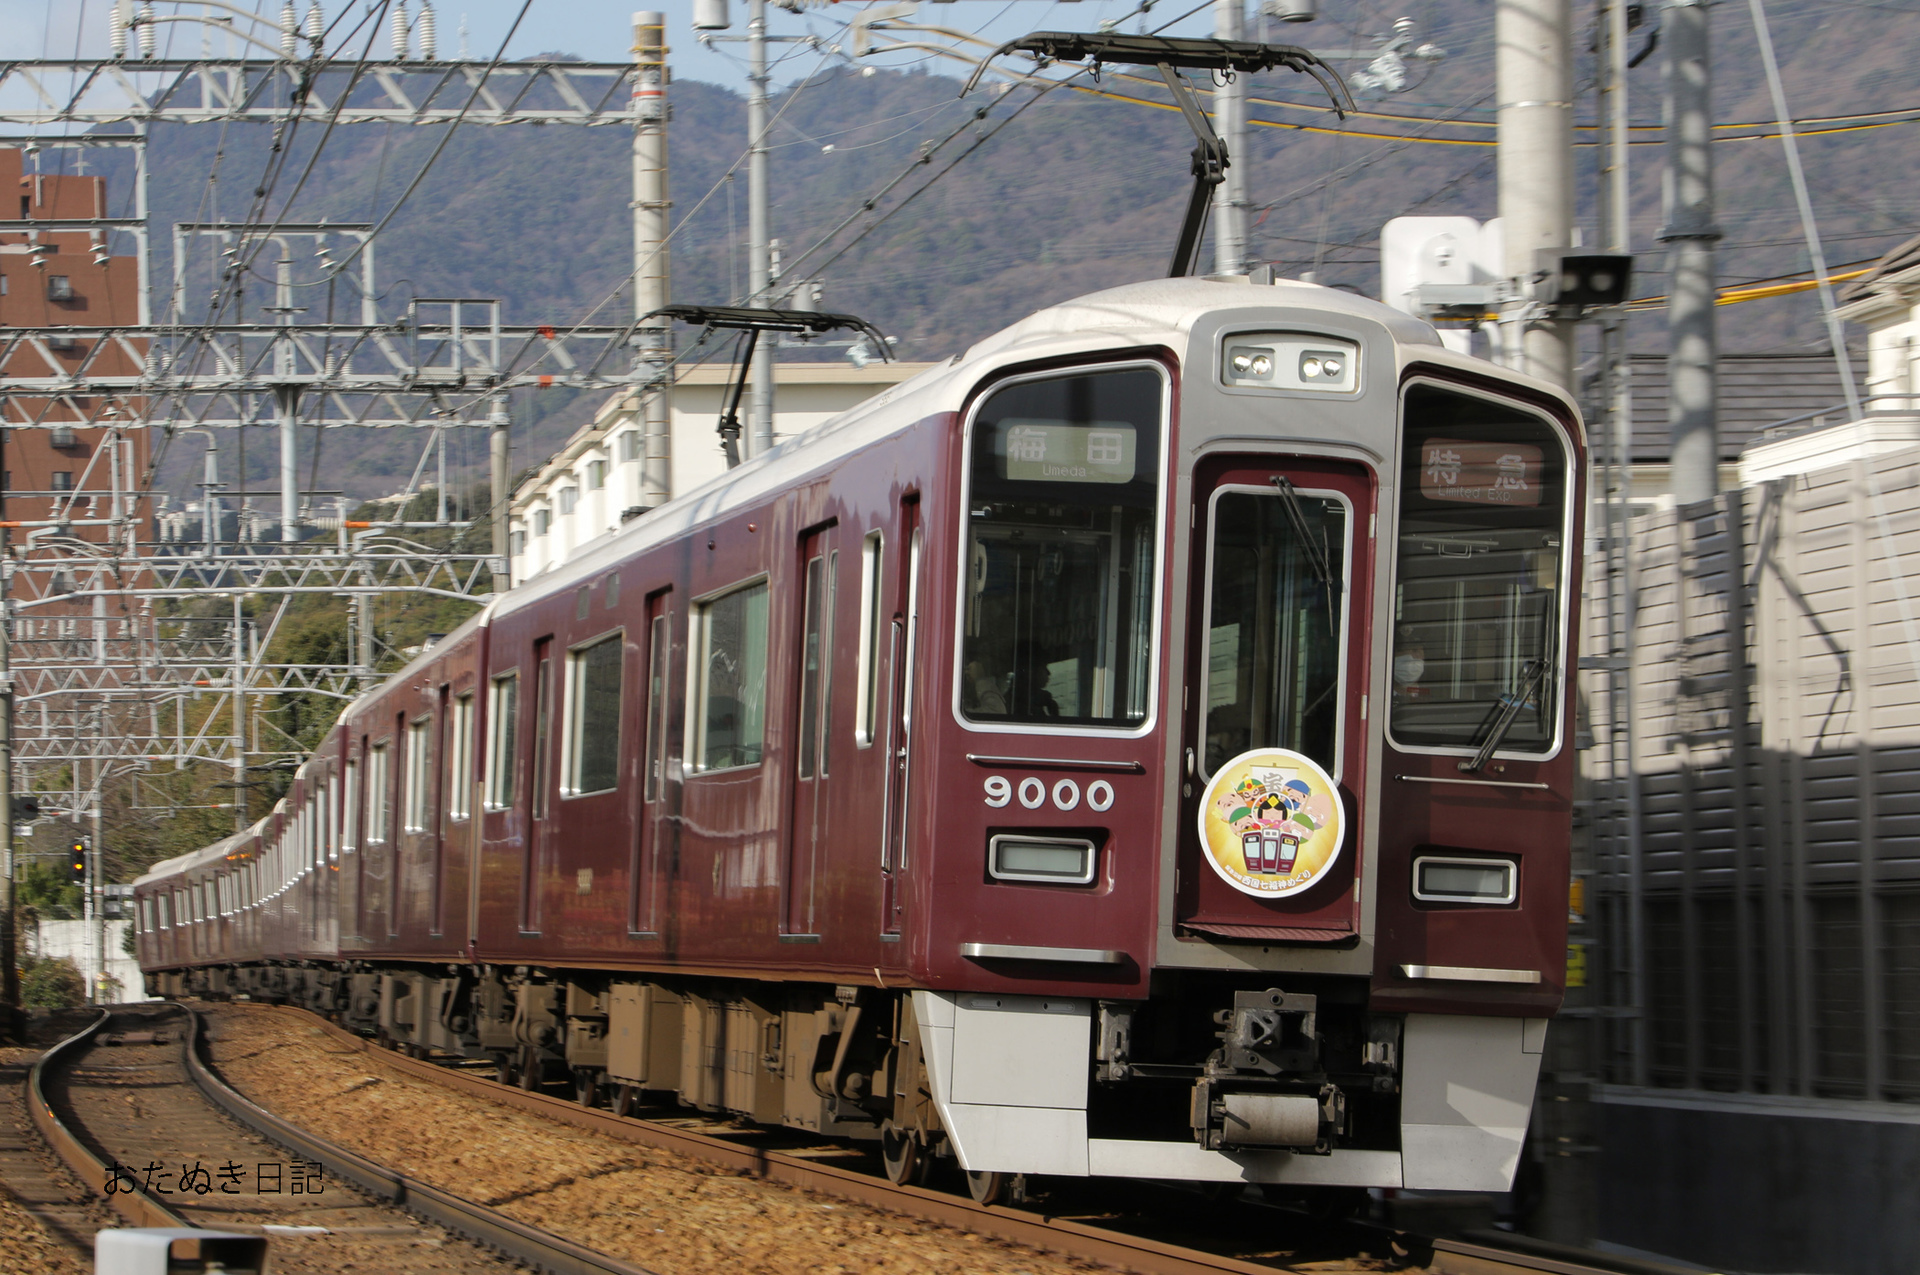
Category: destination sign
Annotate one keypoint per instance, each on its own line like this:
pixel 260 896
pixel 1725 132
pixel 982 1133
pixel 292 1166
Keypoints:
pixel 1480 473
pixel 1047 451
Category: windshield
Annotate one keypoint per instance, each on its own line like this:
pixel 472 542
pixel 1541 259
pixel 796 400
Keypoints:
pixel 1483 491
pixel 1064 485
pixel 1274 622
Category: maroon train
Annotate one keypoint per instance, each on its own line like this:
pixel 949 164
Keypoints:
pixel 1137 747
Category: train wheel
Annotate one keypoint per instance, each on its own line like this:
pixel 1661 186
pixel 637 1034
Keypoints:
pixel 900 1154
pixel 987 1188
pixel 532 1069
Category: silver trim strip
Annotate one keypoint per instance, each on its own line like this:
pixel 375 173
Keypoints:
pixel 1057 763
pixel 1020 952
pixel 1470 974
pixel 1479 783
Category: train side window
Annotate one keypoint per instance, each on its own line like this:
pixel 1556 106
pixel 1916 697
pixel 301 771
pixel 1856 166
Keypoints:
pixel 503 720
pixel 729 670
pixel 377 793
pixel 419 781
pixel 593 715
pixel 460 759
pixel 350 831
pixel 657 655
pixel 542 726
pixel 817 632
pixel 333 816
pixel 867 695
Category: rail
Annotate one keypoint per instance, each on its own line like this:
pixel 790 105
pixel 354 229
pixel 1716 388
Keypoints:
pixel 537 1248
pixel 1073 1239
pixel 129 1202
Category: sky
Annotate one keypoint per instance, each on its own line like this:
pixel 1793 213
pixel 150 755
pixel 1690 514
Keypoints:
pixel 601 30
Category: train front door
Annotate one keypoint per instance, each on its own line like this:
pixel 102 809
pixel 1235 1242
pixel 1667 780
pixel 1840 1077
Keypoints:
pixel 1274 731
pixel 807 834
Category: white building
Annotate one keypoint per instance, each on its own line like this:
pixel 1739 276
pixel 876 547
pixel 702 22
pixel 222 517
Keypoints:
pixel 589 486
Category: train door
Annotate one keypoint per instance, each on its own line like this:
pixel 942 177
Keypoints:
pixel 1279 609
pixel 901 666
pixel 539 799
pixel 807 828
pixel 652 828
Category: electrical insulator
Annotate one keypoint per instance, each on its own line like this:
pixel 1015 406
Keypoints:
pixel 711 15
pixel 149 34
pixel 429 37
pixel 117 29
pixel 316 26
pixel 398 30
pixel 289 29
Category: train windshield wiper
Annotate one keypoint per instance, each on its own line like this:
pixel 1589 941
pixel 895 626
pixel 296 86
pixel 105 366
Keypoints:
pixel 1314 547
pixel 1511 703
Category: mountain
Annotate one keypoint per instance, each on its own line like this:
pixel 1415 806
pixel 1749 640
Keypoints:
pixel 1079 192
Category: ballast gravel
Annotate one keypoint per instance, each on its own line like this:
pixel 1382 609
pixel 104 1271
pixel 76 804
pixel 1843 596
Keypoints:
pixel 654 1208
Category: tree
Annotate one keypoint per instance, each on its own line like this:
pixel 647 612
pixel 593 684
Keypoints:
pixel 52 983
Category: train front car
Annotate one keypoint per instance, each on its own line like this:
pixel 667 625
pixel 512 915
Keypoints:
pixel 1248 743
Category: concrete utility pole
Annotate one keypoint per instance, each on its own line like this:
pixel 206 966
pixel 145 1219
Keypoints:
pixel 497 455
pixel 286 399
pixel 9 943
pixel 650 258
pixel 759 262
pixel 1690 233
pixel 1533 86
pixel 1230 121
pixel 97 876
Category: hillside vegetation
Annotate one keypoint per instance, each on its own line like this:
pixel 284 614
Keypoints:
pixel 1079 192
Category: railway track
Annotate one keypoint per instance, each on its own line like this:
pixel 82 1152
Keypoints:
pixel 748 1153
pixel 130 1108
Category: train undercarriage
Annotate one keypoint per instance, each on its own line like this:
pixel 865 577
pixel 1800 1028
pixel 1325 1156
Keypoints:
pixel 1209 1062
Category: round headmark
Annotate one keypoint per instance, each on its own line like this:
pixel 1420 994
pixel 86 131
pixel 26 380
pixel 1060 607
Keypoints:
pixel 1271 823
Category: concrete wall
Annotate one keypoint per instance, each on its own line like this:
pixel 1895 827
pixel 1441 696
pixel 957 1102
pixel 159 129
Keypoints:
pixel 74 940
pixel 1767 1185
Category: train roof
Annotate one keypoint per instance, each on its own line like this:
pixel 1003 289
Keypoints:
pixel 1154 312
pixel 198 858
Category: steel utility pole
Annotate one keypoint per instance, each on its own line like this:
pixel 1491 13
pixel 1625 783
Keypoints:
pixel 1533 85
pixel 1690 233
pixel 1230 122
pixel 759 263
pixel 650 257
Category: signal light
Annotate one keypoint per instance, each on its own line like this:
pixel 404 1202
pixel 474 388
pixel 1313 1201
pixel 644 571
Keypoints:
pixel 1573 280
pixel 77 863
